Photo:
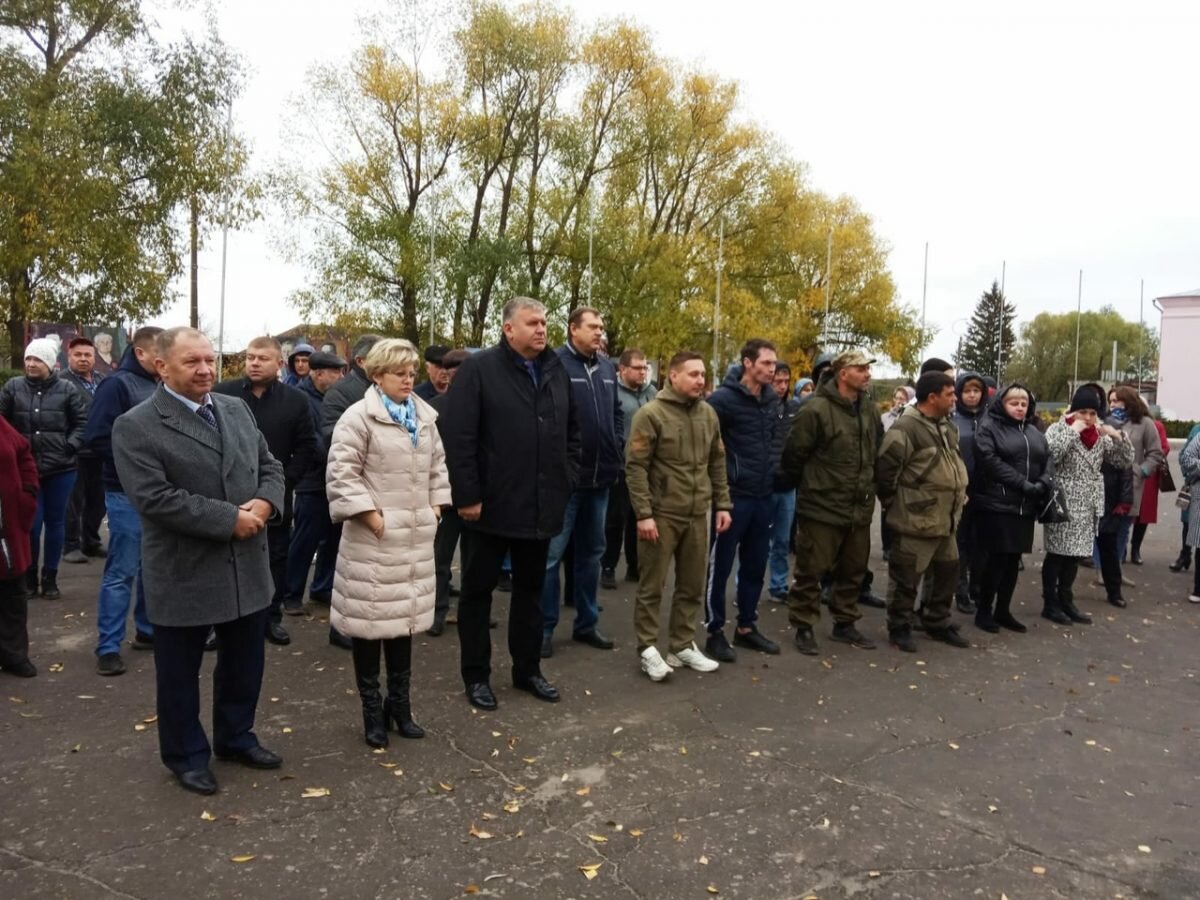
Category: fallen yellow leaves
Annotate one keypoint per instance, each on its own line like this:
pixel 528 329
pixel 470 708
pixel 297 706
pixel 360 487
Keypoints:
pixel 512 806
pixel 446 787
pixel 243 858
pixel 590 871
pixel 471 889
pixel 313 792
pixel 150 720
pixel 56 667
pixel 636 832
pixel 1038 870
pixel 703 860
pixel 1142 848
pixel 482 835
pixel 583 792
pixel 287 730
pixel 207 816
pixel 953 746
pixel 598 838
pixel 712 889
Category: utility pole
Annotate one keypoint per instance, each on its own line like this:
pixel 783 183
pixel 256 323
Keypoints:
pixel 1078 324
pixel 224 261
pixel 717 309
pixel 924 290
pixel 1141 332
pixel 828 286
pixel 432 261
pixel 591 239
pixel 1000 339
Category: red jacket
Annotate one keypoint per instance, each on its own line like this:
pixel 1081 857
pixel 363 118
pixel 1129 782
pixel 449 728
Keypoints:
pixel 18 499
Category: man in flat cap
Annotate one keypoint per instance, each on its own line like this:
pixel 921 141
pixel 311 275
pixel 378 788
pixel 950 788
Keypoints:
pixel 830 457
pixel 439 375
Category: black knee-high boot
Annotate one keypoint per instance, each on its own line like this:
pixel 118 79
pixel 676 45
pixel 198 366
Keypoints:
pixel 366 675
pixel 397 709
pixel 1135 544
pixel 1056 569
pixel 1184 562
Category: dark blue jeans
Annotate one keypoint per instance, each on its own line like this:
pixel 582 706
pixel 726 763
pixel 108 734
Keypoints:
pixel 52 512
pixel 237 680
pixel 749 540
pixel 583 520
pixel 311 533
pixel 122 568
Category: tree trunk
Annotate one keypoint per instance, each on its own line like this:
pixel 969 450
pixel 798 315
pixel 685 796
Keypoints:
pixel 18 306
pixel 194 222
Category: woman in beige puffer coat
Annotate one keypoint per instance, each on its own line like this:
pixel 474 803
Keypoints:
pixel 387 483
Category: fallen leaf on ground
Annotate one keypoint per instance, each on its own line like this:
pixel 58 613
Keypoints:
pixel 471 889
pixel 520 788
pixel 244 858
pixel 712 889
pixel 1142 848
pixel 636 832
pixel 150 720
pixel 993 809
pixel 589 872
pixel 616 754
pixel 86 697
pixel 512 806
pixel 139 727
pixel 16 700
pixel 618 729
pixel 388 765
pixel 496 734
pixel 598 838
pixel 482 835
pixel 703 860
pixel 954 746
pixel 313 792
pixel 287 730
pixel 379 751
pixel 529 760
pixel 874 873
pixel 677 836
pixel 683 751
pixel 1038 870
pixel 583 792
pixel 494 876
pixel 397 772
pixel 56 667
pixel 445 787
pixel 487 817
pixel 77 747
pixel 1114 679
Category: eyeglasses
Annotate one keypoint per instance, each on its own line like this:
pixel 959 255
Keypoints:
pixel 641 368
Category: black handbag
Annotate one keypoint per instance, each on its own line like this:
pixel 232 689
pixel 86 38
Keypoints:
pixel 1055 511
pixel 1166 481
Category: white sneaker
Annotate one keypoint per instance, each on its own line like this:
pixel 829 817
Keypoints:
pixel 653 665
pixel 693 659
pixel 1194 598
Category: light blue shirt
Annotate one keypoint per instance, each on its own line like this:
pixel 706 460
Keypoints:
pixel 190 404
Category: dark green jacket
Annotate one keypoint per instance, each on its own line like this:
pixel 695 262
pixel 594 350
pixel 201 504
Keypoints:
pixel 675 460
pixel 921 477
pixel 830 457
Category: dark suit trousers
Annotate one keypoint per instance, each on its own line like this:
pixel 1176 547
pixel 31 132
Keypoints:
pixel 237 679
pixel 85 508
pixel 279 537
pixel 483 555
pixel 444 544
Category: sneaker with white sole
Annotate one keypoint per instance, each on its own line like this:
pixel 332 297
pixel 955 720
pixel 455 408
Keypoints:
pixel 693 659
pixel 653 665
pixel 1194 598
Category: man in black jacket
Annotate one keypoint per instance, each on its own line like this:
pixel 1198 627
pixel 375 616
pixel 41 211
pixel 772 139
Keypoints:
pixel 339 398
pixel 783 500
pixel 132 382
pixel 513 452
pixel 283 418
pixel 310 511
pixel 85 509
pixel 747 407
pixel 594 391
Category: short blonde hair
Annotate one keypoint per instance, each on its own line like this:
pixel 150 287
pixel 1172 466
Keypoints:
pixel 388 355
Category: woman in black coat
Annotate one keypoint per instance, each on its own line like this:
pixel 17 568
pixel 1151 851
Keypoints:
pixel 1013 481
pixel 50 413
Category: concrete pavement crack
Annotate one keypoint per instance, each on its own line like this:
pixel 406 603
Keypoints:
pixel 70 873
pixel 596 851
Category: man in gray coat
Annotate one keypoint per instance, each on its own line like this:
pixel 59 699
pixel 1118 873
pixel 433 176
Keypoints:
pixel 197 471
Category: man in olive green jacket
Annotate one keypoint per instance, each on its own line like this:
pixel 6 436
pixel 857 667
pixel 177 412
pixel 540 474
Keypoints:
pixel 922 483
pixel 830 457
pixel 675 472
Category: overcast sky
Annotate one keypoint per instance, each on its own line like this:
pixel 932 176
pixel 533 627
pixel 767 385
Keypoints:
pixel 1056 136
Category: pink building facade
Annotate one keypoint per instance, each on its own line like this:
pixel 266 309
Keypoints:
pixel 1178 362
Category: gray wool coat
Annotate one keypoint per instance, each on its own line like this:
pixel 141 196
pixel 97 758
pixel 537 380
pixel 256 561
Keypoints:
pixel 186 481
pixel 1077 471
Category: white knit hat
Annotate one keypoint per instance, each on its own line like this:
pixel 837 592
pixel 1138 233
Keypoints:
pixel 43 349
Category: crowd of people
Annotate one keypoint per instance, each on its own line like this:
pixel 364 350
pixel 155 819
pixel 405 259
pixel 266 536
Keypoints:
pixel 539 467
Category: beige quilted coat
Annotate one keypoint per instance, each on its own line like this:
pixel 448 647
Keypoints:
pixel 384 587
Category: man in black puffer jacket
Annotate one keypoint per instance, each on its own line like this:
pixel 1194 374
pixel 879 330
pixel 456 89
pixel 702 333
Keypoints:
pixel 50 413
pixel 971 392
pixel 747 408
pixel 132 382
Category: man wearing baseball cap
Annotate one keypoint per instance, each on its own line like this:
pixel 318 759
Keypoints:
pixel 830 457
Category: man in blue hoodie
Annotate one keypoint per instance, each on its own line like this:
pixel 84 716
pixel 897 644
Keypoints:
pixel 747 408
pixel 133 381
pixel 594 388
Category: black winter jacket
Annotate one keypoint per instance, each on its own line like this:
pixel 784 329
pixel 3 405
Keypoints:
pixel 748 426
pixel 601 421
pixel 339 398
pixel 785 412
pixel 120 392
pixel 967 421
pixel 511 445
pixel 283 417
pixel 51 414
pixel 1013 469
pixel 313 481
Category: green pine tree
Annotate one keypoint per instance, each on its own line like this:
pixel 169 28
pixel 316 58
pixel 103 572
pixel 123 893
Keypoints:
pixel 981 349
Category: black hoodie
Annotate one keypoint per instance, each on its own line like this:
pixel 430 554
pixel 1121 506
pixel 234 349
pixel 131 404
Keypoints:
pixel 1013 470
pixel 120 392
pixel 967 421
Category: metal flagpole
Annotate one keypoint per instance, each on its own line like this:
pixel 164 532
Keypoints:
pixel 924 289
pixel 1000 339
pixel 591 237
pixel 224 260
pixel 1078 324
pixel 717 308
pixel 432 259
pixel 1141 332
pixel 828 285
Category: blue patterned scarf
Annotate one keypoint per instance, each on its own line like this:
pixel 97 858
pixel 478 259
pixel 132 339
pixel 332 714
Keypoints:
pixel 403 414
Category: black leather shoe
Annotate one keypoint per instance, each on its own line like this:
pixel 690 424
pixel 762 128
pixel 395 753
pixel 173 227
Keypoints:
pixel 258 757
pixel 1118 601
pixel 965 605
pixel 547 646
pixel 948 635
pixel 277 635
pixel 1135 557
pixel 1055 615
pixel 198 781
pixel 608 579
pixel 210 642
pixel 867 598
pixel 480 695
pixel 142 641
pixel 806 641
pixel 902 639
pixel 717 646
pixel 753 640
pixel 22 668
pixel 438 628
pixel 323 598
pixel 595 639
pixel 539 687
pixel 337 639
pixel 1075 615
pixel 110 664
pixel 848 634
pixel 984 621
pixel 1184 562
